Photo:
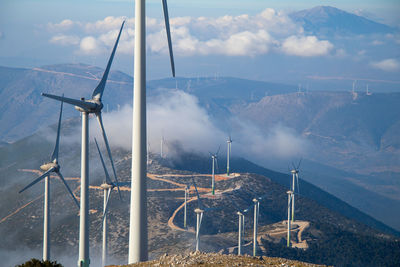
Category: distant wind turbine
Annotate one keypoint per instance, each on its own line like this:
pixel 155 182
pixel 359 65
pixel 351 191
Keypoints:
pixel 95 106
pixel 240 212
pixel 107 186
pixel 50 167
pixel 214 158
pixel 256 200
pixel 290 199
pixel 199 215
pixel 185 207
pixel 229 143
pixel 295 184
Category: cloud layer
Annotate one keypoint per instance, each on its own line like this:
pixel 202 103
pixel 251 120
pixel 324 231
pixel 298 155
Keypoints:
pixel 181 120
pixel 243 35
pixel 389 64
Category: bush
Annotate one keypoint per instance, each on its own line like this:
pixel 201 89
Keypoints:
pixel 40 263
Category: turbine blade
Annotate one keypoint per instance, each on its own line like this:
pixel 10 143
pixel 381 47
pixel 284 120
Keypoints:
pixel 294 166
pixel 200 204
pixel 123 183
pixel 80 103
pixel 216 165
pixel 108 200
pixel 298 165
pixel 167 27
pixel 216 154
pixel 98 92
pixel 100 120
pixel 55 152
pixel 37 180
pixel 68 188
pixel 298 186
pixel 102 163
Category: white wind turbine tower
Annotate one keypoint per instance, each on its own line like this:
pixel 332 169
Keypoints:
pixel 185 207
pixel 138 210
pixel 290 199
pixel 214 158
pixel 107 186
pixel 199 215
pixel 162 146
pixel 295 181
pixel 240 213
pixel 256 202
pixel 50 167
pixel 95 106
pixel 229 143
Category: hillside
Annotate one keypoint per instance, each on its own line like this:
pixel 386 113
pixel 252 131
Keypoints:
pixel 21 218
pixel 350 140
pixel 327 20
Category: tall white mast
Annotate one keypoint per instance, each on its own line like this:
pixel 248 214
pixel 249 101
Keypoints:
pixel 138 211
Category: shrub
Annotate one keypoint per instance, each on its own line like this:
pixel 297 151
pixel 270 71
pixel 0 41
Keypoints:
pixel 40 263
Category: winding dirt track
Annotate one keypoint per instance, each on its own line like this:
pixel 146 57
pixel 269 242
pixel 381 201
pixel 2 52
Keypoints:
pixel 180 187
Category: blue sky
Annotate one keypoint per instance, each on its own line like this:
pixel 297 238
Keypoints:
pixel 32 34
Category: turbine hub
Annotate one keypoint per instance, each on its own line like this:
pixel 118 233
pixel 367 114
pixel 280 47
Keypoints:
pixel 47 166
pixel 198 210
pixel 106 186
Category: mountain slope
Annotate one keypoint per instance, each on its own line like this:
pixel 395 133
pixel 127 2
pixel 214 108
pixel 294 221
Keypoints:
pixel 21 218
pixel 329 20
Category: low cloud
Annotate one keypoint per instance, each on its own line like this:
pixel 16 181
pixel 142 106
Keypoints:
pixel 90 45
pixel 65 39
pixel 306 46
pixel 181 120
pixel 242 35
pixel 389 64
pixel 64 25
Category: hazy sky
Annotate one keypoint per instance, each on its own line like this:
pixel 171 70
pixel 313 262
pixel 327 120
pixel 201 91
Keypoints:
pixel 43 32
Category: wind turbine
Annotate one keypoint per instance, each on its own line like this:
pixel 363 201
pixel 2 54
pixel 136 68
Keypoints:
pixel 199 215
pixel 256 202
pixel 107 186
pixel 229 143
pixel 295 177
pixel 162 146
pixel 94 105
pixel 185 208
pixel 290 199
pixel 214 158
pixel 50 167
pixel 240 213
pixel 138 250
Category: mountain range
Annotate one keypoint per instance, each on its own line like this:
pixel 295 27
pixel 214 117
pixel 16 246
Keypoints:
pixel 348 138
pixel 328 21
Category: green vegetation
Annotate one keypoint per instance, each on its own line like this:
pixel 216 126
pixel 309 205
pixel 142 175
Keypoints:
pixel 40 263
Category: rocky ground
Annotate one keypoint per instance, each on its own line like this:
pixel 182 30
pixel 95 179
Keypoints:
pixel 215 259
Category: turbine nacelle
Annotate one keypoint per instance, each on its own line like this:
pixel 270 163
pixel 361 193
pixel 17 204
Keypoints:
pixel 107 186
pixel 294 171
pixel 47 166
pixel 198 210
pixel 90 106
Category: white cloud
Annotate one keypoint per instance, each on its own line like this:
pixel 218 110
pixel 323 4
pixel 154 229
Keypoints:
pixel 377 42
pixel 107 24
pixel 242 35
pixel 90 45
pixel 389 64
pixel 65 39
pixel 64 25
pixel 306 46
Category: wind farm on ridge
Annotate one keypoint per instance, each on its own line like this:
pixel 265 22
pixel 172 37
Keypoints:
pixel 201 201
